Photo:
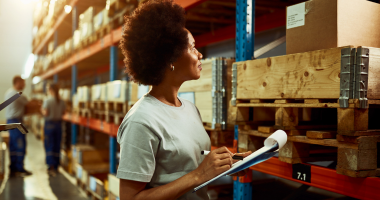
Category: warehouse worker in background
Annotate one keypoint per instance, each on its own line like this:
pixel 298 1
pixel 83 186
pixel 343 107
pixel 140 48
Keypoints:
pixel 14 113
pixel 53 109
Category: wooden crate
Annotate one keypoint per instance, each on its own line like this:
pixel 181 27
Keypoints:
pixel 313 97
pixel 211 92
pixel 310 75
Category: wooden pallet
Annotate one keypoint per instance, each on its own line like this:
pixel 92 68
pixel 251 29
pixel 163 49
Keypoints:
pixel 85 112
pixel 119 107
pixel 85 104
pixel 98 105
pixel 356 156
pixel 99 114
pixel 114 117
pixel 310 114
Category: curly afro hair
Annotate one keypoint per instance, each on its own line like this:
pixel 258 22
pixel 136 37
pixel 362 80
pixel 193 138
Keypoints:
pixel 154 37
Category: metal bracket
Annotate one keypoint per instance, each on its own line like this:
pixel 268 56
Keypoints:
pixel 347 67
pixel 214 93
pixel 361 76
pixel 222 99
pixel 234 84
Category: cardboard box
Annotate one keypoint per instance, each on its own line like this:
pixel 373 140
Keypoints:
pixel 33 107
pixel 332 23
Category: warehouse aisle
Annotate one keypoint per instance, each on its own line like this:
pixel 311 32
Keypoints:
pixel 39 185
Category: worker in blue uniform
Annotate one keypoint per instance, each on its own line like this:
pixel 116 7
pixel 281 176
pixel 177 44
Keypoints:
pixel 17 142
pixel 53 109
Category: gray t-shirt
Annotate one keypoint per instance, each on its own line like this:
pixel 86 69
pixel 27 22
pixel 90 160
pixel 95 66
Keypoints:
pixel 55 109
pixel 161 143
pixel 16 109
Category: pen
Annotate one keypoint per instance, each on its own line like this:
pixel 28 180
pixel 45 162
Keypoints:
pixel 235 157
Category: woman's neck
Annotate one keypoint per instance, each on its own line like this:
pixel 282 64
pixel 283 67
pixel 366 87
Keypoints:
pixel 167 93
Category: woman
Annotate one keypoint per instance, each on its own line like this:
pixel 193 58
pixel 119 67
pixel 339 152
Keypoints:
pixel 162 136
pixel 53 109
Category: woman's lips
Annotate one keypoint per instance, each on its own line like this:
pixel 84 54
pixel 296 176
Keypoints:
pixel 200 66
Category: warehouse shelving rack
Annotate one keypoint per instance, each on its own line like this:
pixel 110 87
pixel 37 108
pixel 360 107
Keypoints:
pixel 244 30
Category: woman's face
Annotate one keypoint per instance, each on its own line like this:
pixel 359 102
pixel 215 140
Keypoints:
pixel 188 66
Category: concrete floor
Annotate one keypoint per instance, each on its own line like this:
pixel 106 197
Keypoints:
pixel 38 186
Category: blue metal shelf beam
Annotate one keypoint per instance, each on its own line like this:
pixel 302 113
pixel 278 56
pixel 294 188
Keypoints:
pixel 244 46
pixel 113 76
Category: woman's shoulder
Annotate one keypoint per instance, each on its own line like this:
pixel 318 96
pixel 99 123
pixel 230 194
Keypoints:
pixel 142 111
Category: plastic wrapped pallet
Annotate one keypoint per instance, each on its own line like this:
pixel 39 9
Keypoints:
pixel 99 92
pixel 84 93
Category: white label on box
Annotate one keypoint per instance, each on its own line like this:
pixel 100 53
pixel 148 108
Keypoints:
pixel 92 183
pixel 143 89
pixel 295 16
pixel 116 89
pixel 188 96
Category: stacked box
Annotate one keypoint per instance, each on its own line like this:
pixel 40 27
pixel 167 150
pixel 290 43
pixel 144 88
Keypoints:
pixel 117 91
pixel 99 92
pixel 68 46
pixel 76 39
pixel 86 25
pixel 84 93
pixel 101 19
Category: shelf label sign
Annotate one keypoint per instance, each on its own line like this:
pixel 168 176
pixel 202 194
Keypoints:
pixel 302 172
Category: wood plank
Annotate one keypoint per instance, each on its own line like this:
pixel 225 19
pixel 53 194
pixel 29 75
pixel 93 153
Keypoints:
pixel 204 83
pixel 266 129
pixel 292 105
pixel 374 73
pixel 304 139
pixel 321 134
pixel 351 120
pixel 304 75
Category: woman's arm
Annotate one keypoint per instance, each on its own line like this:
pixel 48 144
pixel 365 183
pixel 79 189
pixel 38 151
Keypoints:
pixel 44 111
pixel 215 163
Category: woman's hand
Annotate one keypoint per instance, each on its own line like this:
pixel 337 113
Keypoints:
pixel 215 163
pixel 243 172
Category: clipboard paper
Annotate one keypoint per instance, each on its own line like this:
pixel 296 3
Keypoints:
pixel 271 145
